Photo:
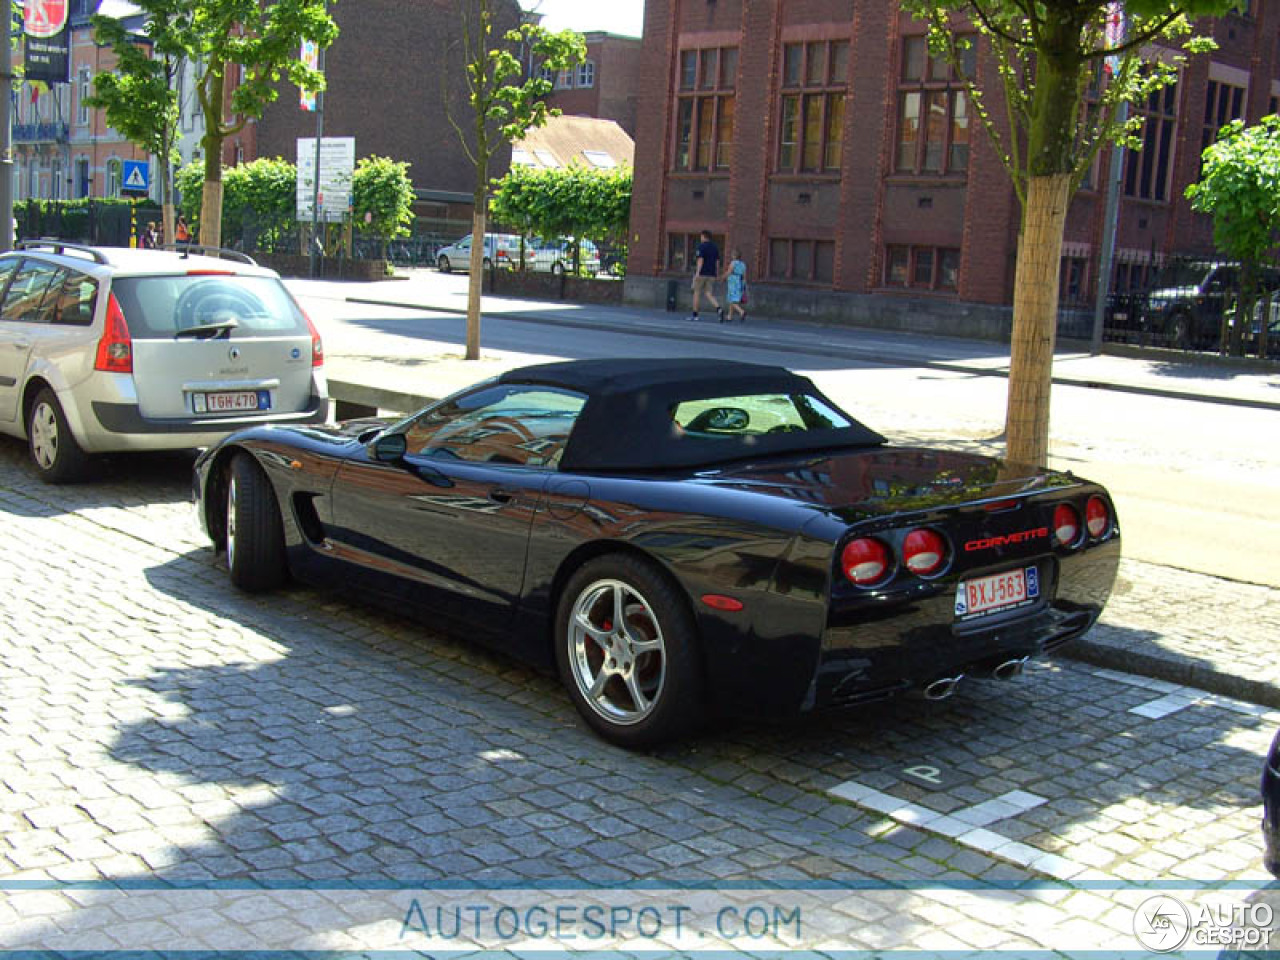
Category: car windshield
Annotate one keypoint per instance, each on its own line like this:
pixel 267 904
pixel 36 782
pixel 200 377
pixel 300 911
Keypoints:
pixel 1184 274
pixel 757 414
pixel 163 306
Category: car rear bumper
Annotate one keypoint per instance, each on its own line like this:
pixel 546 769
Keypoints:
pixel 121 426
pixel 868 655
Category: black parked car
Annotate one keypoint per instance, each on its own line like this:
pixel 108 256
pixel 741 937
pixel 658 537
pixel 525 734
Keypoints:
pixel 1186 307
pixel 1271 808
pixel 676 535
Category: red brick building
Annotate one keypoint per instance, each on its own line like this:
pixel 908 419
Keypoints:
pixel 821 139
pixel 605 85
pixel 389 75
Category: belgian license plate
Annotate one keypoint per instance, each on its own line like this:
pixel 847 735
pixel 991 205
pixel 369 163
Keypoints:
pixel 1000 591
pixel 231 401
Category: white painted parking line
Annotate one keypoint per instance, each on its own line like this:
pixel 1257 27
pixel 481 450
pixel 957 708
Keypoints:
pixel 1163 706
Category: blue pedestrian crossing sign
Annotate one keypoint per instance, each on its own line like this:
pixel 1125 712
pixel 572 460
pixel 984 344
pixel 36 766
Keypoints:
pixel 135 176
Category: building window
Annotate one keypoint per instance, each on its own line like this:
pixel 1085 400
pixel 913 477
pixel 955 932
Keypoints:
pixel 564 80
pixel 587 73
pixel 1073 276
pixel 704 108
pixel 547 74
pixel 85 84
pixel 934 123
pixel 803 261
pixel 82 176
pixel 682 250
pixel 1147 171
pixel 1222 104
pixel 921 268
pixel 113 178
pixel 815 77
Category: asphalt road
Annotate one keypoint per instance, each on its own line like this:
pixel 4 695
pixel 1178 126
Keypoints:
pixel 1195 483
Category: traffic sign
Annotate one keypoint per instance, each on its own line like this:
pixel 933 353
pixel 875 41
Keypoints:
pixel 136 176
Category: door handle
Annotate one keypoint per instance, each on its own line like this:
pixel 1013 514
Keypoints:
pixel 502 495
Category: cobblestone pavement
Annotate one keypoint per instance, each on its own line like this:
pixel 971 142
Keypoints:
pixel 159 725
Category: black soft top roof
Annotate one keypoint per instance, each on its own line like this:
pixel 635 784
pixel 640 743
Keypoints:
pixel 626 421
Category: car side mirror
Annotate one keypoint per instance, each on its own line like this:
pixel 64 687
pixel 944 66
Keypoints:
pixel 389 447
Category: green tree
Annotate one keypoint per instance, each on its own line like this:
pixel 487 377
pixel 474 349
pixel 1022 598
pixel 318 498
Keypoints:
pixel 261 43
pixel 1046 55
pixel 1240 185
pixel 382 198
pixel 575 201
pixel 502 106
pixel 259 201
pixel 139 96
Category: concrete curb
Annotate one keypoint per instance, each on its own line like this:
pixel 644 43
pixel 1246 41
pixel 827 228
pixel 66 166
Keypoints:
pixel 880 358
pixel 1180 672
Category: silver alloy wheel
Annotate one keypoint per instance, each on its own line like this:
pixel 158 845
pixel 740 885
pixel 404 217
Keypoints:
pixel 231 520
pixel 616 651
pixel 44 435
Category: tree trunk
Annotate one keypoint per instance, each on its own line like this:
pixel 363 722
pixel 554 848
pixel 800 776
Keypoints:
pixel 211 144
pixel 476 279
pixel 1035 318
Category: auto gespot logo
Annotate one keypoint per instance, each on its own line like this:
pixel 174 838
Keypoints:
pixel 1008 539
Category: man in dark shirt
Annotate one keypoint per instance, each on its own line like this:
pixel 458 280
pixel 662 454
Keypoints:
pixel 704 274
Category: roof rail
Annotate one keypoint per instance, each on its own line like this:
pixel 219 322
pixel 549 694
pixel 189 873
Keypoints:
pixel 189 248
pixel 61 247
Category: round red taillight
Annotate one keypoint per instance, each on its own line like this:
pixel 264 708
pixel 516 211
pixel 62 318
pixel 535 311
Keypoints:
pixel 865 561
pixel 1097 517
pixel 1066 524
pixel 924 552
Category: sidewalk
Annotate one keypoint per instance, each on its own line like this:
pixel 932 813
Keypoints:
pixel 1164 624
pixel 1157 373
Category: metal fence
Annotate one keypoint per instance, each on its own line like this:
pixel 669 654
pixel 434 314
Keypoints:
pixel 1187 304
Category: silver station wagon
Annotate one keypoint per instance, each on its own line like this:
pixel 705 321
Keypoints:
pixel 106 349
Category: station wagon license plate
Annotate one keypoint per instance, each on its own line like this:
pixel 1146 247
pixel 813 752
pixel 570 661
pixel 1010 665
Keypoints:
pixel 231 401
pixel 1000 591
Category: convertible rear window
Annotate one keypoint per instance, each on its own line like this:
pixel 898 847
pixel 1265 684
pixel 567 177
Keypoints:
pixel 757 414
pixel 161 306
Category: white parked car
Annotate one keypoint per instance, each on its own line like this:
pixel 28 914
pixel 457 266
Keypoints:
pixel 556 256
pixel 106 349
pixel 499 248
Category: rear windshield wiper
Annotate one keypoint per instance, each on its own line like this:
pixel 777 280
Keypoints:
pixel 209 330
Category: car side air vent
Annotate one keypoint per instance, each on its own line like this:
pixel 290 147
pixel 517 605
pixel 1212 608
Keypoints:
pixel 304 510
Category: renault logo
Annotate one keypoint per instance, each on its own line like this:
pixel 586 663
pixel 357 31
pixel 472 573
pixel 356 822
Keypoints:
pixel 234 353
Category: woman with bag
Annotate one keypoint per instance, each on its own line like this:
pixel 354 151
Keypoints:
pixel 735 275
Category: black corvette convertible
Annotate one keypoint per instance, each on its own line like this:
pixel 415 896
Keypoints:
pixel 676 535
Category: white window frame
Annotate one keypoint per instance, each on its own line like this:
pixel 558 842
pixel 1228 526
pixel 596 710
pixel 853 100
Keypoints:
pixel 114 177
pixel 84 87
pixel 587 73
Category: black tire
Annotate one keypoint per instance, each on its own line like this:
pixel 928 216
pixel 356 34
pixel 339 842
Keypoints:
pixel 667 678
pixel 1178 330
pixel 57 456
pixel 444 265
pixel 485 264
pixel 557 268
pixel 253 539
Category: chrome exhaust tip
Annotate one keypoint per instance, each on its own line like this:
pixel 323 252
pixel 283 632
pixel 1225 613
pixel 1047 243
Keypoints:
pixel 942 688
pixel 1010 668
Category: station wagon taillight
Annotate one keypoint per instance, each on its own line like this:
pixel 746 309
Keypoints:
pixel 1097 517
pixel 924 551
pixel 865 561
pixel 1066 525
pixel 317 346
pixel 115 349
